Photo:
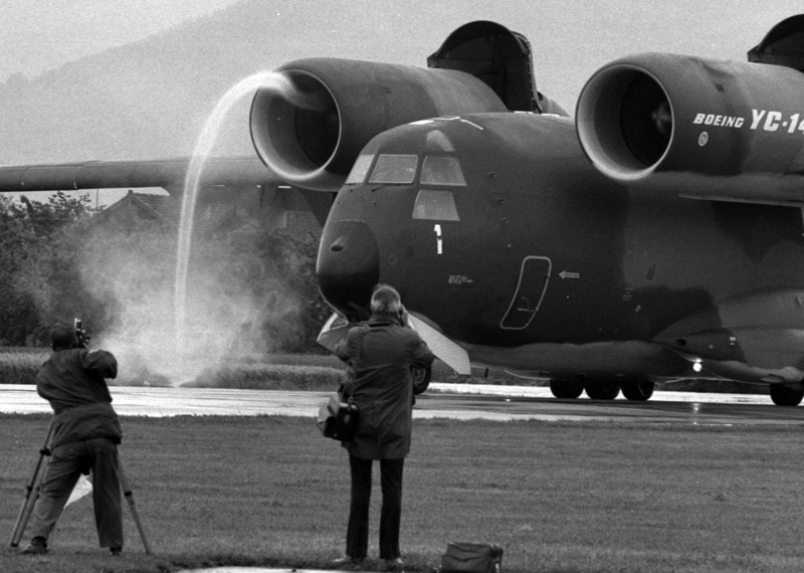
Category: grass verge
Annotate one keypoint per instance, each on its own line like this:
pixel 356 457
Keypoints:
pixel 559 497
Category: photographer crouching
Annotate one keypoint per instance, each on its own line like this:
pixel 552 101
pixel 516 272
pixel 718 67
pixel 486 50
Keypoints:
pixel 86 432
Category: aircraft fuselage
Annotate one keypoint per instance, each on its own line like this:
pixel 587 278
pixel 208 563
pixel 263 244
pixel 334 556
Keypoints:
pixel 497 231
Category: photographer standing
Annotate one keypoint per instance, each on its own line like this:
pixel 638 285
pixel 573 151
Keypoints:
pixel 381 354
pixel 86 432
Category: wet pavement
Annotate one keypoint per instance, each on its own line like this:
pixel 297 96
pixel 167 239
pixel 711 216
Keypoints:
pixel 255 570
pixel 456 401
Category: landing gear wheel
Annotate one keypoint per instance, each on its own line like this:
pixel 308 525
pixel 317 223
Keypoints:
pixel 566 389
pixel 637 390
pixel 784 396
pixel 602 389
pixel 421 379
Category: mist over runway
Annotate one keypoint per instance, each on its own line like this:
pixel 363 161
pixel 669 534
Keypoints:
pixel 446 401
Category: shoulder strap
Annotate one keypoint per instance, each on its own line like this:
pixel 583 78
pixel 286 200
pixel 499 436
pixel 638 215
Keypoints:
pixel 362 335
pixel 359 354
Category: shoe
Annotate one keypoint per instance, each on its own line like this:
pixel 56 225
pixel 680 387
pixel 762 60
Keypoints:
pixel 37 546
pixel 347 560
pixel 116 551
pixel 394 564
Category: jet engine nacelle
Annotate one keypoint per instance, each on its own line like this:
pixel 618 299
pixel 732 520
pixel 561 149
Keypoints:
pixel 699 127
pixel 311 132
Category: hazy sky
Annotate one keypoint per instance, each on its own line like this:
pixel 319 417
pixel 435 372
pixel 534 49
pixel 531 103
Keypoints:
pixel 576 35
pixel 42 34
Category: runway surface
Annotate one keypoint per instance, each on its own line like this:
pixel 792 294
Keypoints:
pixel 457 401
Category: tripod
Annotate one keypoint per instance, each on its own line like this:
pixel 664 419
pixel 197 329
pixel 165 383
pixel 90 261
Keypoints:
pixel 33 489
pixel 130 499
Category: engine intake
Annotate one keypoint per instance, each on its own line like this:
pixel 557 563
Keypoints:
pixel 626 122
pixel 310 133
pixel 695 126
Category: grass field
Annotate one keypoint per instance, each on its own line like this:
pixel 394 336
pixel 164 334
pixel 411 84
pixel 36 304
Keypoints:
pixel 559 497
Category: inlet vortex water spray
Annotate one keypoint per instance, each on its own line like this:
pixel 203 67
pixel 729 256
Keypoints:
pixel 192 182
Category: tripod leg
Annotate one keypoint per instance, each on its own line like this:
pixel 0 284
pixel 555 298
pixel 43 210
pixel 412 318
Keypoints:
pixel 32 491
pixel 130 500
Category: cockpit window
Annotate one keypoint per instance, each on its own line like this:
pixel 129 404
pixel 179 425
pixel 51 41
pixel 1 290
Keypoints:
pixel 437 205
pixel 400 169
pixel 358 173
pixel 442 171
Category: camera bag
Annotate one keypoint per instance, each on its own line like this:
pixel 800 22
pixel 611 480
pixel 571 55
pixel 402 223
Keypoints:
pixel 337 419
pixel 471 558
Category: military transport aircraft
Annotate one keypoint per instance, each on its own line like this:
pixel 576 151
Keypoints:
pixel 657 236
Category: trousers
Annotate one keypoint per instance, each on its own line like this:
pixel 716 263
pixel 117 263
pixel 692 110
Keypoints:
pixel 390 515
pixel 67 462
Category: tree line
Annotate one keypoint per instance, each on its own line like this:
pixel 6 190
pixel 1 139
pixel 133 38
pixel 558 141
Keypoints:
pixel 57 263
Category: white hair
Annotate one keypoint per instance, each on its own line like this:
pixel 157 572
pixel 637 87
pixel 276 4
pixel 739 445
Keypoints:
pixel 385 299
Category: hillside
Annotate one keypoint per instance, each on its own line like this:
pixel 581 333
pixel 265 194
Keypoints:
pixel 149 99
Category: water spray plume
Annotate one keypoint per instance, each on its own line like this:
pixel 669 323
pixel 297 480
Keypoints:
pixel 318 100
pixel 176 320
pixel 203 147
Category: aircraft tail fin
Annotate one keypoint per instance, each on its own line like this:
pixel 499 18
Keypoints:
pixel 500 58
pixel 782 45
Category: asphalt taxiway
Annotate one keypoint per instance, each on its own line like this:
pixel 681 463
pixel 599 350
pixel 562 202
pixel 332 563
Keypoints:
pixel 455 401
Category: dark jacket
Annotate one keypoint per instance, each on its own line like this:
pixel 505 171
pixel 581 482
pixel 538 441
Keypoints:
pixel 381 354
pixel 73 381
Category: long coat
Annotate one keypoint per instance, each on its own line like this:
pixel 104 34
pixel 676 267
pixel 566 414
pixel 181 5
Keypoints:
pixel 73 381
pixel 381 354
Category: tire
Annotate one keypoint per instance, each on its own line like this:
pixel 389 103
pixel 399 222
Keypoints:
pixel 566 389
pixel 637 390
pixel 421 379
pixel 784 396
pixel 602 389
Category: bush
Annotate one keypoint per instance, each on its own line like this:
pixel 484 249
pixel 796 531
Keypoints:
pixel 271 377
pixel 21 366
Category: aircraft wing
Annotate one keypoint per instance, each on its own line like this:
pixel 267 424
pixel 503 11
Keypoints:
pixel 167 173
pixel 247 177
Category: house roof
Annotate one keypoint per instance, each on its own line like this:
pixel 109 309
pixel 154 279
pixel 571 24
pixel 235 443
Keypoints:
pixel 166 209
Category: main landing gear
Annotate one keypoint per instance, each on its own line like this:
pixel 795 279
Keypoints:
pixel 785 396
pixel 602 388
pixel 640 390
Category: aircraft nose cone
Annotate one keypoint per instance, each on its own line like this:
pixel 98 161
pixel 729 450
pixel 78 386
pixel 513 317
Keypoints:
pixel 348 266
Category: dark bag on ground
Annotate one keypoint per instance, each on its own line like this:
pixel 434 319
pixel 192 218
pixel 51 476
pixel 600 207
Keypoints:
pixel 471 558
pixel 337 419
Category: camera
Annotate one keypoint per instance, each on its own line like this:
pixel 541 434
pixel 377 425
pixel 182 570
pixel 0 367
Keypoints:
pixel 81 333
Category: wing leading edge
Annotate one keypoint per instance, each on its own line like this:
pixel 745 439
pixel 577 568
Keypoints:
pixel 166 173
